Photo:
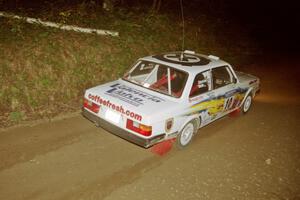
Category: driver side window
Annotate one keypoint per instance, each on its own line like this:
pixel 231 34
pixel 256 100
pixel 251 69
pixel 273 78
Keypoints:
pixel 221 76
pixel 200 85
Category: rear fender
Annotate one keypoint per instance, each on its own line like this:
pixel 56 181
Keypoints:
pixel 196 120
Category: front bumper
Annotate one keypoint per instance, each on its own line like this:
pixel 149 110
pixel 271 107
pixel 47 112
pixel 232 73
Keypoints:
pixel 146 143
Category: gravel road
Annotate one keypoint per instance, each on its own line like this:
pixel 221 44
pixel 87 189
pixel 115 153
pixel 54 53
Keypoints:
pixel 252 156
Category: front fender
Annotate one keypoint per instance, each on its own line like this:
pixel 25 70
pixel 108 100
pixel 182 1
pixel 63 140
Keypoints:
pixel 247 93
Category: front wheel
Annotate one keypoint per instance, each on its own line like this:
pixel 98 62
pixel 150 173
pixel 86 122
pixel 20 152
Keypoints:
pixel 247 104
pixel 185 136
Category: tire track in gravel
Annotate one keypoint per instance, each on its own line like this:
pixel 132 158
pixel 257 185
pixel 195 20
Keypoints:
pixel 17 148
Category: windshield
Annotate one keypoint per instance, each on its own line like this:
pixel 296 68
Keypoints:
pixel 158 77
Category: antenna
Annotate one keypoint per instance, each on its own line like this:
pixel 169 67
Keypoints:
pixel 182 18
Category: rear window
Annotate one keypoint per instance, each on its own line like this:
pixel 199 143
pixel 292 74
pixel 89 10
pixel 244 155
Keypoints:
pixel 158 77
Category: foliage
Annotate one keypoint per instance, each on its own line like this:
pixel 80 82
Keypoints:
pixel 16 116
pixel 44 71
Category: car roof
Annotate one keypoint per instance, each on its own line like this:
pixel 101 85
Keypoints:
pixel 188 61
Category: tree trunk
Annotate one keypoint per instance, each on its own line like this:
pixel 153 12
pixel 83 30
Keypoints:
pixel 156 4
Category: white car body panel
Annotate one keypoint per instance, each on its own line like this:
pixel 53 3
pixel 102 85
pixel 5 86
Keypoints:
pixel 145 106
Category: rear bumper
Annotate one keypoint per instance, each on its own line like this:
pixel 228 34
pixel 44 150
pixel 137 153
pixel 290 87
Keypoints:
pixel 121 132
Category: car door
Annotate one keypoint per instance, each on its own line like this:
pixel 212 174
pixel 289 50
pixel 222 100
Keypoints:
pixel 200 96
pixel 224 89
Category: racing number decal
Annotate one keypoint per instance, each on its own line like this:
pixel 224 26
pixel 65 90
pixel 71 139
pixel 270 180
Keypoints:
pixel 228 105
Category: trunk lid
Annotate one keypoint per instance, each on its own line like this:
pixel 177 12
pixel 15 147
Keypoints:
pixel 133 101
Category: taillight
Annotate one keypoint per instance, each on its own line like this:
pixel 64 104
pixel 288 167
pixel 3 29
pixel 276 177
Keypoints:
pixel 139 128
pixel 91 106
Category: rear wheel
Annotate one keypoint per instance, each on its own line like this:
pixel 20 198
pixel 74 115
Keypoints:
pixel 186 135
pixel 247 104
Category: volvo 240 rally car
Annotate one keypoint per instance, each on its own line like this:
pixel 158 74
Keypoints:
pixel 169 96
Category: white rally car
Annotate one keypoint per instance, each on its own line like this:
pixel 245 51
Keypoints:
pixel 169 96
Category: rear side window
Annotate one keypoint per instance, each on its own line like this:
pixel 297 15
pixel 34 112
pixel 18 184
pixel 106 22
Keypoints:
pixel 221 76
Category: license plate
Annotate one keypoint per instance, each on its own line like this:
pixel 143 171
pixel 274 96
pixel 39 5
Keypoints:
pixel 112 116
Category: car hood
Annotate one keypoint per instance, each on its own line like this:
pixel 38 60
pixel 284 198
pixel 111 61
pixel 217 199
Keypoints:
pixel 243 77
pixel 150 105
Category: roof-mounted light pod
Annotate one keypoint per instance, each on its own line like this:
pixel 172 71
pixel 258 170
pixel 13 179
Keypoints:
pixel 189 52
pixel 214 57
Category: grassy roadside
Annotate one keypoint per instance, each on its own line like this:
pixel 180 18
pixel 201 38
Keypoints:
pixel 43 71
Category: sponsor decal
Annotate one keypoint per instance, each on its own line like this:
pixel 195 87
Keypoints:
pixel 169 124
pixel 253 81
pixel 115 107
pixel 132 96
pixel 186 59
pixel 214 105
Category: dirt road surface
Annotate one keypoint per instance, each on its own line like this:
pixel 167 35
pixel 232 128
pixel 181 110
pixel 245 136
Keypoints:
pixel 254 156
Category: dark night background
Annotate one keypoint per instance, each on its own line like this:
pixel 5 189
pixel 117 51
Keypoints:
pixel 274 24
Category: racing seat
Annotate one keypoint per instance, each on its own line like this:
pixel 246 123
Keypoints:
pixel 162 81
